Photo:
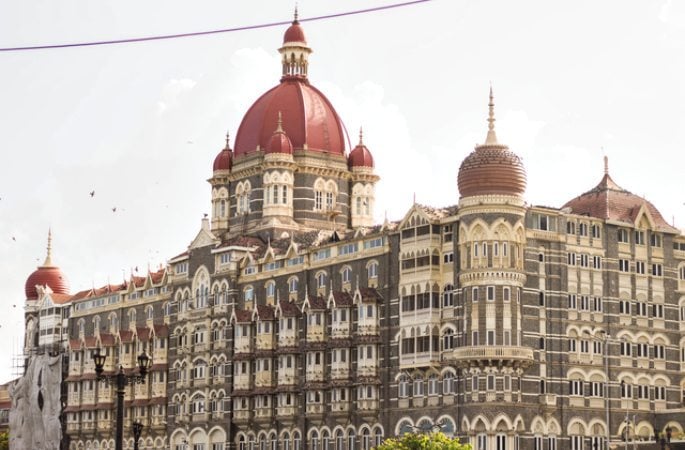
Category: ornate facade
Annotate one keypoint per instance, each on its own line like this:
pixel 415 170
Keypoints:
pixel 293 322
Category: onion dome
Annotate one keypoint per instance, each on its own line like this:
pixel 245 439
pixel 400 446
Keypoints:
pixel 492 169
pixel 360 156
pixel 609 201
pixel 279 140
pixel 224 160
pixel 46 275
pixel 310 121
pixel 294 33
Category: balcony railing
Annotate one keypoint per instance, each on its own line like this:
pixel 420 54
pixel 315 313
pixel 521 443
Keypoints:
pixel 484 354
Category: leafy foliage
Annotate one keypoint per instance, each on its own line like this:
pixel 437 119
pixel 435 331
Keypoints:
pixel 423 441
pixel 4 440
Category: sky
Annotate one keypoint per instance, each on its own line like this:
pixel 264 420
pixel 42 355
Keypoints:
pixel 141 123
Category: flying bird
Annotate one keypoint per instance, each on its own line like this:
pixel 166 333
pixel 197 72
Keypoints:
pixel 14 239
pixel 114 209
pixel 92 193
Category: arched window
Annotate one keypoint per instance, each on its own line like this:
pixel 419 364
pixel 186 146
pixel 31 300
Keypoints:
pixel 321 280
pixel 346 275
pixel 372 270
pixel 448 340
pixel 270 289
pixel 149 312
pixel 248 294
pixel 292 285
pixel 448 383
pixel 403 387
pixel 339 440
pixel 131 316
pixel 447 295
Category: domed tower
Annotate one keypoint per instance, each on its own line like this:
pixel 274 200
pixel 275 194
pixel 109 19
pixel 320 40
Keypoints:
pixel 220 188
pixel 305 157
pixel 278 177
pixel 492 182
pixel 47 278
pixel 363 183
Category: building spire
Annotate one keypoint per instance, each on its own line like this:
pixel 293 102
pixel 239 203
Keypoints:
pixel 606 165
pixel 361 136
pixel 48 258
pixel 295 15
pixel 491 138
pixel 279 123
pixel 228 140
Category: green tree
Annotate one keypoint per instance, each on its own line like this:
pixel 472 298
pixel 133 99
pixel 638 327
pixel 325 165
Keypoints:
pixel 4 440
pixel 423 441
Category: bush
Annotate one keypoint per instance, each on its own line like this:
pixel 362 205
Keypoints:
pixel 423 441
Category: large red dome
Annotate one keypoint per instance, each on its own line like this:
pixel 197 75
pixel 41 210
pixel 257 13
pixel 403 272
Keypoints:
pixel 309 120
pixel 51 276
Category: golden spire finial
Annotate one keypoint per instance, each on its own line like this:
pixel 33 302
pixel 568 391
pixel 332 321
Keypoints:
pixel 491 138
pixel 228 140
pixel 606 165
pixel 48 258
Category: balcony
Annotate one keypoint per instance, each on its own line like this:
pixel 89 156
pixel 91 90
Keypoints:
pixel 548 399
pixel 340 330
pixel 340 407
pixel 367 328
pixel 340 371
pixel 241 415
pixel 315 373
pixel 422 359
pixel 285 411
pixel 488 355
pixel 314 409
pixel 367 371
pixel 263 413
pixel 367 405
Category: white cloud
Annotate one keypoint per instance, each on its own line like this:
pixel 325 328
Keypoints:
pixel 172 93
pixel 673 13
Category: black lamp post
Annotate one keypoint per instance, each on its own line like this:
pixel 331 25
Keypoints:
pixel 121 380
pixel 137 430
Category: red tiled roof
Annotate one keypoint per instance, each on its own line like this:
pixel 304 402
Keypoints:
pixel 157 277
pixel 126 336
pixel 243 316
pixel 143 334
pixel 161 330
pixel 342 299
pixel 107 339
pixel 60 299
pixel 289 309
pixel 91 342
pixel 158 401
pixel 370 295
pixel 609 201
pixel 317 303
pixel 265 312
pixel 75 344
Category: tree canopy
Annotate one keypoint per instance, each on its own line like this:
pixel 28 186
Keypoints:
pixel 423 441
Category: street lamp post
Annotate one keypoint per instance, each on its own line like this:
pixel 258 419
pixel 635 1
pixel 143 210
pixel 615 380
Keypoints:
pixel 121 380
pixel 137 431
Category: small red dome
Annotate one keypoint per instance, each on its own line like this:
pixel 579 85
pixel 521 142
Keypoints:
pixel 492 170
pixel 46 275
pixel 309 120
pixel 360 156
pixel 294 33
pixel 280 142
pixel 223 160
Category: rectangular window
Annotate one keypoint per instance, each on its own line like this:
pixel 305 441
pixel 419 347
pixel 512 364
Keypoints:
pixel 506 294
pixel 640 267
pixel 491 293
pixel 596 262
pixel 657 270
pixel 623 265
pixel 655 240
pixel 491 337
pixel 596 231
pixel 474 294
pixel 639 237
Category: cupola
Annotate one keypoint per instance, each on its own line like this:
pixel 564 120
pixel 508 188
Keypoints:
pixel 360 156
pixel 492 169
pixel 224 160
pixel 280 143
pixel 46 275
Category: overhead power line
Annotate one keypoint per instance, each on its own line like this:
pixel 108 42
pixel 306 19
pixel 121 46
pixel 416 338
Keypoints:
pixel 203 33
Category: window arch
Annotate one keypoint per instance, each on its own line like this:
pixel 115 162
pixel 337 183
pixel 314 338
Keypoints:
pixel 270 288
pixel 248 293
pixel 132 317
pixel 346 275
pixel 149 312
pixel 293 283
pixel 242 196
pixel 321 280
pixel 372 270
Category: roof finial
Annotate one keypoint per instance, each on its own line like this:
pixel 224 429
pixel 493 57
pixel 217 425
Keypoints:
pixel 491 138
pixel 361 136
pixel 228 140
pixel 279 126
pixel 606 165
pixel 48 257
pixel 295 15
